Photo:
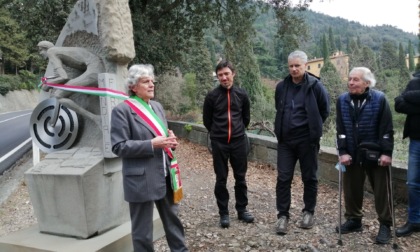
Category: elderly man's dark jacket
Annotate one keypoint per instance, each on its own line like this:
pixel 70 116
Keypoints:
pixel 371 123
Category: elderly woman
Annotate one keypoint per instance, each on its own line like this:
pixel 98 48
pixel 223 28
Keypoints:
pixel 140 137
pixel 365 143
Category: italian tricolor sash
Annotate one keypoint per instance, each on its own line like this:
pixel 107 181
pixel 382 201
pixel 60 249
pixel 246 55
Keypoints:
pixel 149 116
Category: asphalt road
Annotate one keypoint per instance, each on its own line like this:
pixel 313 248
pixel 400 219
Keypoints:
pixel 14 137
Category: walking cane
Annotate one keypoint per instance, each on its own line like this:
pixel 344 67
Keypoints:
pixel 391 201
pixel 340 169
pixel 340 186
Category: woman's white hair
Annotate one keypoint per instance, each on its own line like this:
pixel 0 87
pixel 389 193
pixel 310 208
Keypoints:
pixel 367 75
pixel 135 72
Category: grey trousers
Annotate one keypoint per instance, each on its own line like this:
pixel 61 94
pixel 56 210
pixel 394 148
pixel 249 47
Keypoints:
pixel 142 224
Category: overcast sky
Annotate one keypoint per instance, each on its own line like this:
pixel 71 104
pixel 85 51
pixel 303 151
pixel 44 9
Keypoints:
pixel 403 14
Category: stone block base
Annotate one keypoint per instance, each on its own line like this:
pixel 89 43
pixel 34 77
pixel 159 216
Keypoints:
pixel 116 239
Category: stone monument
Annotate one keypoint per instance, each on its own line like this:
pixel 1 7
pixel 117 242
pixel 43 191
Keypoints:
pixel 76 190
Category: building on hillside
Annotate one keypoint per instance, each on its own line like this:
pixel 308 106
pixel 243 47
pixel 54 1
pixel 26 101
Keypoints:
pixel 338 59
pixel 341 63
pixel 416 60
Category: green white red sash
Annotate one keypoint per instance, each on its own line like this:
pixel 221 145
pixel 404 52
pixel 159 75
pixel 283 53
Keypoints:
pixel 87 90
pixel 149 116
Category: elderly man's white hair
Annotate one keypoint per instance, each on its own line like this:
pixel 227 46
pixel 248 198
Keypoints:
pixel 298 54
pixel 367 75
pixel 135 72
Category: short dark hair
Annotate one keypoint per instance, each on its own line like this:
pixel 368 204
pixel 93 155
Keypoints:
pixel 223 64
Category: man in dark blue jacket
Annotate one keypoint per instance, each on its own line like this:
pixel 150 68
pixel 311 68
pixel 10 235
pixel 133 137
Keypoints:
pixel 365 143
pixel 226 114
pixel 302 106
pixel 409 103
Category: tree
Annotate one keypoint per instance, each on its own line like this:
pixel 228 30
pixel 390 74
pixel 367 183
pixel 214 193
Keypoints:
pixel 331 40
pixel 368 59
pixel 266 60
pixel 354 54
pixel 404 74
pixel 41 19
pixel 292 30
pixel 325 49
pixel 410 50
pixel 163 28
pixel 334 85
pixel 210 46
pixel 199 63
pixel 238 17
pixel 13 43
pixel 389 57
pixel 339 45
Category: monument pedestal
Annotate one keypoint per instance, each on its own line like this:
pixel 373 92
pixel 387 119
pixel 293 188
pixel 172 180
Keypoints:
pixel 116 239
pixel 77 193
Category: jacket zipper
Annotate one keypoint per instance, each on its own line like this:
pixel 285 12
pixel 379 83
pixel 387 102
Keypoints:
pixel 229 117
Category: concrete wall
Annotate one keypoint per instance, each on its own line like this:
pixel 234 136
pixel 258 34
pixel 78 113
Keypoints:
pixel 264 149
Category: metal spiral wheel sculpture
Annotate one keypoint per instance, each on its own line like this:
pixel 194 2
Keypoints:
pixel 53 127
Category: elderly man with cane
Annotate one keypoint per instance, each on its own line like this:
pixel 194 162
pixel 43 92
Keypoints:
pixel 365 143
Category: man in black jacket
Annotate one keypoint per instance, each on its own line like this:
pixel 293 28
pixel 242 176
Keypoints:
pixel 226 114
pixel 302 106
pixel 409 103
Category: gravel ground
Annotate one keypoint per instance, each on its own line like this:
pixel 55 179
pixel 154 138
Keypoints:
pixel 199 214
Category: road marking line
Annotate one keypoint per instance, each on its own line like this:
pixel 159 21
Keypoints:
pixel 15 150
pixel 14 117
pixel 5 113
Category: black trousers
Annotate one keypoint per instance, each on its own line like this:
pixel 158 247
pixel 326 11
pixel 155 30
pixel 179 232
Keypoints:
pixel 236 153
pixel 354 189
pixel 288 153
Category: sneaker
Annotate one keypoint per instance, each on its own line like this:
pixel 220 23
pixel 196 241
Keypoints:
pixel 224 221
pixel 246 216
pixel 351 225
pixel 384 234
pixel 407 229
pixel 307 220
pixel 281 225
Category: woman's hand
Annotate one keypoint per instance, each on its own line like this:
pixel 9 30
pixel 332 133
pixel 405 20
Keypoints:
pixel 165 142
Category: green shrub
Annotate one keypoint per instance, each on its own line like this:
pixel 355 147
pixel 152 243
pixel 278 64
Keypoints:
pixel 7 83
pixel 28 80
pixel 4 88
pixel 188 127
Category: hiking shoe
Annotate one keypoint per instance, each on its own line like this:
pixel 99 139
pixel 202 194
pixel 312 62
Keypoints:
pixel 307 220
pixel 351 225
pixel 384 234
pixel 407 229
pixel 246 216
pixel 224 221
pixel 281 225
